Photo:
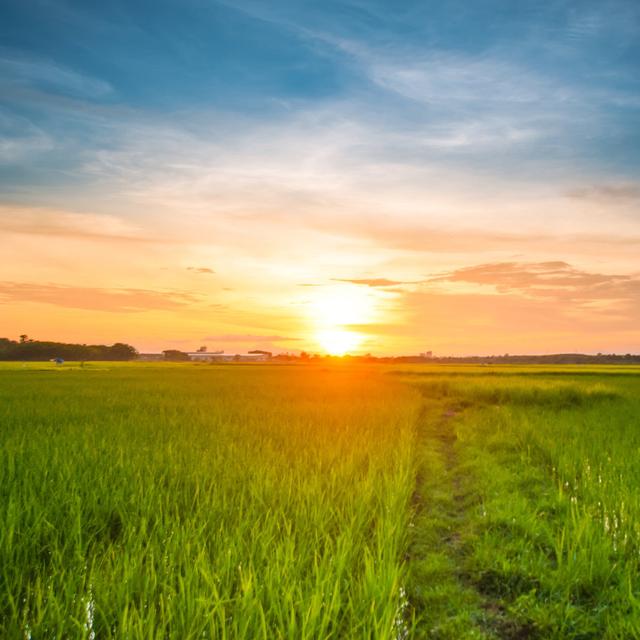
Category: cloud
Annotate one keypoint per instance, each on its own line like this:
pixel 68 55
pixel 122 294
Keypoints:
pixel 555 279
pixel 228 176
pixel 445 78
pixel 450 322
pixel 374 282
pixel 480 323
pixel 410 233
pixel 475 102
pixel 607 192
pixel 248 338
pixel 18 71
pixel 20 139
pixel 200 269
pixel 41 221
pixel 536 307
pixel 95 299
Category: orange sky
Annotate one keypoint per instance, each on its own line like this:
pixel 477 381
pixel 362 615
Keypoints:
pixel 363 283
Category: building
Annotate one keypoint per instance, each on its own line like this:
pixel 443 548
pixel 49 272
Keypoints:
pixel 221 356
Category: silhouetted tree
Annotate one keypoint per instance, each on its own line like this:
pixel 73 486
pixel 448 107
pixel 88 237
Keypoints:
pixel 28 349
pixel 121 351
pixel 175 356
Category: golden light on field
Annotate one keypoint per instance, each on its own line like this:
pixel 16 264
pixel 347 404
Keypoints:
pixel 334 311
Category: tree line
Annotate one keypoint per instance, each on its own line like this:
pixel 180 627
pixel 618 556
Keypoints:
pixel 28 349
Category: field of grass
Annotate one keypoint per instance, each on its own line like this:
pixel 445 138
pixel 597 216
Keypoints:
pixel 213 501
pixel 528 523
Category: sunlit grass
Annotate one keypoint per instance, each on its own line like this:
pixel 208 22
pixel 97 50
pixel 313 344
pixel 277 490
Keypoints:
pixel 531 527
pixel 188 501
pixel 319 501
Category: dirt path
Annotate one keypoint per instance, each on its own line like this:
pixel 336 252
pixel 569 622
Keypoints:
pixel 444 501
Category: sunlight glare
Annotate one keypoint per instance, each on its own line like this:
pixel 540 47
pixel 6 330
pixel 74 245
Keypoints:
pixel 333 312
pixel 338 342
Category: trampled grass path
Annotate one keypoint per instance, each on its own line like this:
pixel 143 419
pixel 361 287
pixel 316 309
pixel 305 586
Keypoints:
pixel 471 614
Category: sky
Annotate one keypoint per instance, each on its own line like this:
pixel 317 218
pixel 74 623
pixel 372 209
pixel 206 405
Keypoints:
pixel 330 176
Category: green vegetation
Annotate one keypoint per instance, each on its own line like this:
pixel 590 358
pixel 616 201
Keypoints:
pixel 189 501
pixel 528 517
pixel 27 349
pixel 449 502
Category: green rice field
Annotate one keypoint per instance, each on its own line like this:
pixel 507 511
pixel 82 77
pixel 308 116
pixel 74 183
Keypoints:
pixel 319 501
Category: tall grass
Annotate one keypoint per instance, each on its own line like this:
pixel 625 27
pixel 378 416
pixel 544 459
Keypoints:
pixel 203 501
pixel 550 533
pixel 309 502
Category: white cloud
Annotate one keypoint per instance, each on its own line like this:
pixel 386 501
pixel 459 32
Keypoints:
pixel 445 79
pixel 22 71
pixel 331 171
pixel 52 222
pixel 20 139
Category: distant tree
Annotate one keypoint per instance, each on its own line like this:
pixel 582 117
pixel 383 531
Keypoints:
pixel 35 350
pixel 122 351
pixel 174 355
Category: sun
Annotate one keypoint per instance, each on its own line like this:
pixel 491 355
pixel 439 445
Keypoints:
pixel 342 306
pixel 337 342
pixel 334 314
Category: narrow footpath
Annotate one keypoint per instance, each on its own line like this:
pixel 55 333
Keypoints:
pixel 448 602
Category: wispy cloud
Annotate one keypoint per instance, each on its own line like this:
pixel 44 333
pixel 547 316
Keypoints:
pixel 484 323
pixel 413 233
pixel 607 193
pixel 20 139
pixel 201 270
pixel 42 221
pixel 19 70
pixel 249 338
pixel 449 79
pixel 374 282
pixel 555 279
pixel 95 299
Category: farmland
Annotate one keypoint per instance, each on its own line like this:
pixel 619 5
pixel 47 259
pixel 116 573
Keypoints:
pixel 190 501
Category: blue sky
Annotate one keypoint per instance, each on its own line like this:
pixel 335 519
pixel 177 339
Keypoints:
pixel 401 139
pixel 568 70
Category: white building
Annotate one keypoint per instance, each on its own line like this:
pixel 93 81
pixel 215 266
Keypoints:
pixel 221 356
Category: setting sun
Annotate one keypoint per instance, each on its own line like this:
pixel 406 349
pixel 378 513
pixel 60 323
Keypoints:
pixel 335 311
pixel 338 342
pixel 342 305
